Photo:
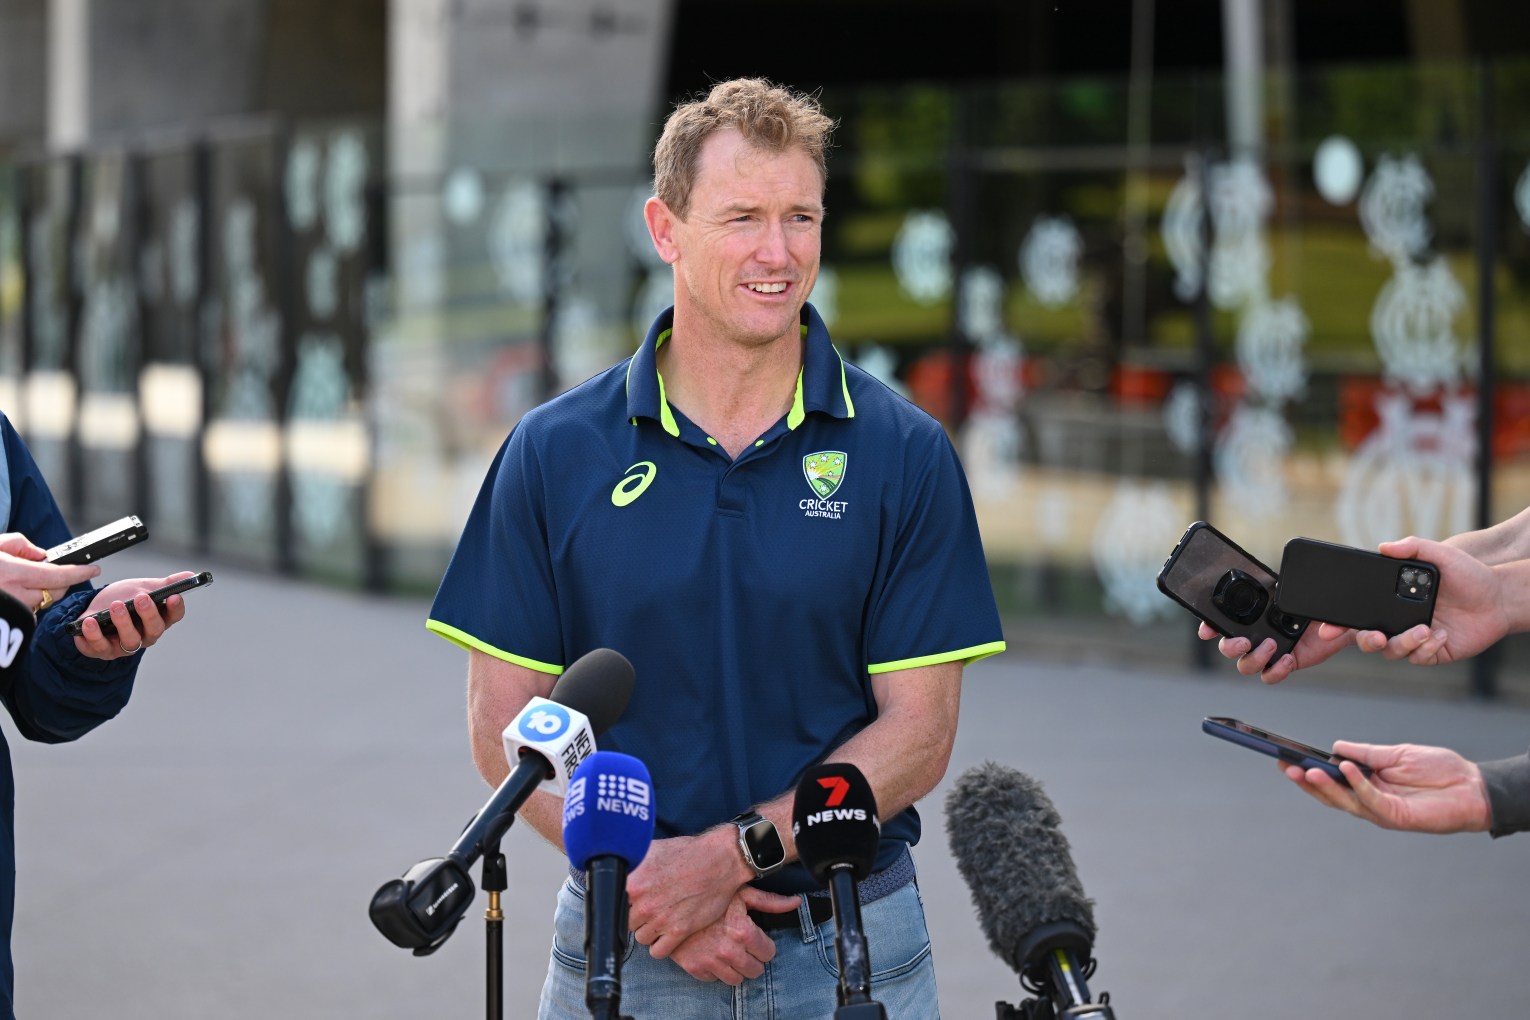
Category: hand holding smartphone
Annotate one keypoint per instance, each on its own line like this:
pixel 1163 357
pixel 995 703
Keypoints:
pixel 1356 588
pixel 1276 746
pixel 1234 593
pixel 75 627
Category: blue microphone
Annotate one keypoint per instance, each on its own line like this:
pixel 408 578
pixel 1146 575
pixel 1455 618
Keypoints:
pixel 607 828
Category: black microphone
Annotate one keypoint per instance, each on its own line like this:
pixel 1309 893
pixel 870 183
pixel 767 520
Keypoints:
pixel 16 625
pixel 547 741
pixel 835 826
pixel 1006 839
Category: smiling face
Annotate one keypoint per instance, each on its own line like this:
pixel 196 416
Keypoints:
pixel 746 254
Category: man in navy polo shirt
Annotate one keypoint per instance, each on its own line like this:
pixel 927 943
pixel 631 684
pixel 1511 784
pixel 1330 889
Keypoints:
pixel 787 553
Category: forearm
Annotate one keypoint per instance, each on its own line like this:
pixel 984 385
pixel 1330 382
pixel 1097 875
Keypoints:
pixel 904 753
pixel 544 813
pixel 497 691
pixel 1514 587
pixel 1504 542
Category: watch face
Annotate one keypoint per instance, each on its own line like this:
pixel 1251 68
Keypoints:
pixel 765 847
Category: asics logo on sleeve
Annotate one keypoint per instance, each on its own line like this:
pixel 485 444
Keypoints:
pixel 634 485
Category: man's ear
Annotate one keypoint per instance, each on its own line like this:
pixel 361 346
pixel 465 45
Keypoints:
pixel 661 228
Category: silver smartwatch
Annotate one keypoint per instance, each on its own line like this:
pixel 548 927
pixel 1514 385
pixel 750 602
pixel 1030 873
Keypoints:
pixel 760 843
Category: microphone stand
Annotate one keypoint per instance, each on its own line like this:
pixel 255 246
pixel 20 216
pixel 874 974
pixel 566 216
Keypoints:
pixel 1064 995
pixel 855 1001
pixel 496 879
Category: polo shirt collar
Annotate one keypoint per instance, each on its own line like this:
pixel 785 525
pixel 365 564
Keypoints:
pixel 821 384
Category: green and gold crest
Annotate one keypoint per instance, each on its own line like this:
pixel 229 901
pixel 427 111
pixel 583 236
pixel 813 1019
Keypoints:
pixel 825 471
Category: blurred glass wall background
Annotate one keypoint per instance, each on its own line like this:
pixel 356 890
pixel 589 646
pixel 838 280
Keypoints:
pixel 287 342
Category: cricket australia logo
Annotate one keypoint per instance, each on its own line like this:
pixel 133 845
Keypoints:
pixel 825 473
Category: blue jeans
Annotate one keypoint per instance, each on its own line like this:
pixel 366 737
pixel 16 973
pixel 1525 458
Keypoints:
pixel 798 984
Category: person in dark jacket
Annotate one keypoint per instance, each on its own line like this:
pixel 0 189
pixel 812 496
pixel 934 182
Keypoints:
pixel 57 688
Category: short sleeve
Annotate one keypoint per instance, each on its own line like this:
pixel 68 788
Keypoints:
pixel 498 594
pixel 935 600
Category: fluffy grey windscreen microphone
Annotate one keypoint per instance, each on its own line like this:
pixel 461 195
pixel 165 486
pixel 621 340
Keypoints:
pixel 1005 835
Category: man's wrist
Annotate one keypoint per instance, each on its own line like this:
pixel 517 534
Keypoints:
pixel 725 837
pixel 760 845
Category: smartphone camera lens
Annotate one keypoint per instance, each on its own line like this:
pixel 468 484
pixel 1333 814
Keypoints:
pixel 1239 596
pixel 1414 583
pixel 1283 623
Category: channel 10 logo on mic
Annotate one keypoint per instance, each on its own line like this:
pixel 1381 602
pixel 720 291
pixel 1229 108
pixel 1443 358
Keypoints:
pixel 548 722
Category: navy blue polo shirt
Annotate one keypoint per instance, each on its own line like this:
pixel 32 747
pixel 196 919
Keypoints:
pixel 754 597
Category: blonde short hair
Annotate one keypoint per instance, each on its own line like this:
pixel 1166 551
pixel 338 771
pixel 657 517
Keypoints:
pixel 767 115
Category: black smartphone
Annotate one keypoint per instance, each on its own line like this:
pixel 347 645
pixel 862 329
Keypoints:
pixel 103 541
pixel 1356 588
pixel 159 595
pixel 1276 746
pixel 1213 577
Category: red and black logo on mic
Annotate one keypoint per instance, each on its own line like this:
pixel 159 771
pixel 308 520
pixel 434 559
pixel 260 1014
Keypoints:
pixel 834 820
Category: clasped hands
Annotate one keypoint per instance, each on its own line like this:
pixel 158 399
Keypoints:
pixel 690 902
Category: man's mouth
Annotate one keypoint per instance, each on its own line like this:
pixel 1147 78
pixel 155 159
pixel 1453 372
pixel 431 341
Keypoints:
pixel 766 288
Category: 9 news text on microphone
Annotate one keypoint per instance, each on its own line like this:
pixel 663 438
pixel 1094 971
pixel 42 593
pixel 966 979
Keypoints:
pixel 608 822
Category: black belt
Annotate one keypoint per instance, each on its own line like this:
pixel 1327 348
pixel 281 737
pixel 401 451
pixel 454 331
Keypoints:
pixel 821 908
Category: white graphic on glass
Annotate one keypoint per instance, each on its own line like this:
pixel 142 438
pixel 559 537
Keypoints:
pixel 992 437
pixel 1249 453
pixel 980 305
pixel 517 241
pixel 1249 458
pixel 1413 326
pixel 656 294
pixel 320 392
pixel 881 364
pixel 825 295
pixel 1337 170
pixel 579 349
pixel 185 273
pixel 1182 417
pixel 323 284
pixel 462 195
pixel 1049 258
pixel 921 256
pixel 1392 208
pixel 1270 341
pixel 1522 197
pixel 1140 522
pixel 345 179
pixel 1413 475
pixel 302 183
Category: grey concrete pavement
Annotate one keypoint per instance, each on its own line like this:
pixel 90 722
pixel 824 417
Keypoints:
pixel 211 852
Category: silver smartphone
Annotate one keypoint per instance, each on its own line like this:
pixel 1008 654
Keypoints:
pixel 103 541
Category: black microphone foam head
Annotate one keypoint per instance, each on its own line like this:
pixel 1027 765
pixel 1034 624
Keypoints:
pixel 834 821
pixel 598 684
pixel 1005 836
